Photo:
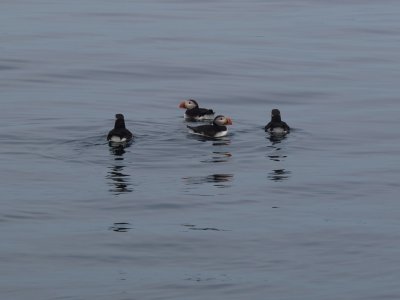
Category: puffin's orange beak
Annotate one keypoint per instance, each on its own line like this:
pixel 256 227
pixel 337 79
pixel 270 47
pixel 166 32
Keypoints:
pixel 228 121
pixel 182 105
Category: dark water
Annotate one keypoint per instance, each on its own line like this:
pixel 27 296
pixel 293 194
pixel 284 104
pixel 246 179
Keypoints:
pixel 312 216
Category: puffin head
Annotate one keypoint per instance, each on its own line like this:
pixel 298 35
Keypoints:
pixel 222 120
pixel 119 121
pixel 276 114
pixel 188 104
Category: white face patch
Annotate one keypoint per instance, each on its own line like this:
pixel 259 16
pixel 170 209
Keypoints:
pixel 190 104
pixel 220 121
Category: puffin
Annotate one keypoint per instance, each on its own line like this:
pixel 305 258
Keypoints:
pixel 277 126
pixel 119 135
pixel 194 112
pixel 215 130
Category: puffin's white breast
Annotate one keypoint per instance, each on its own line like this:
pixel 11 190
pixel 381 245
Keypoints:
pixel 278 130
pixel 117 139
pixel 221 133
pixel 217 135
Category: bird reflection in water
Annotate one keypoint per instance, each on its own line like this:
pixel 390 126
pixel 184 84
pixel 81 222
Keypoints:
pixel 118 180
pixel 218 155
pixel 276 155
pixel 118 151
pixel 218 180
pixel 275 140
pixel 221 155
pixel 279 175
pixel 222 142
pixel 121 227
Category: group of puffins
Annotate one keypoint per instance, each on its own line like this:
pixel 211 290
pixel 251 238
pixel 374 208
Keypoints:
pixel 121 135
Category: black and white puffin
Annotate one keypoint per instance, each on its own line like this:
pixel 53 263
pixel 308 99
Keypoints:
pixel 119 135
pixel 194 112
pixel 277 126
pixel 215 130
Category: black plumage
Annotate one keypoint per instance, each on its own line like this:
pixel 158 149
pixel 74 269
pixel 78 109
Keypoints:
pixel 198 112
pixel 120 130
pixel 276 123
pixel 208 130
pixel 216 129
pixel 194 112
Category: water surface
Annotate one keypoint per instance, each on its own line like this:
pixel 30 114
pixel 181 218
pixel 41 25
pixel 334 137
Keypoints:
pixel 175 216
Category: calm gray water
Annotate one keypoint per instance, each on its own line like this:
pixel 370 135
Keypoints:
pixel 313 216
